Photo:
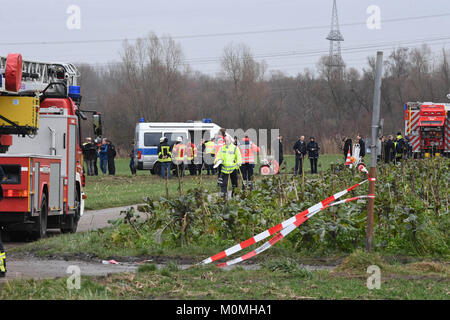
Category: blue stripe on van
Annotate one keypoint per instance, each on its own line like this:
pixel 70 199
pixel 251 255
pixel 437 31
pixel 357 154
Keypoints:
pixel 152 151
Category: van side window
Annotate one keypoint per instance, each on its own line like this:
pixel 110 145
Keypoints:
pixel 172 137
pixel 151 139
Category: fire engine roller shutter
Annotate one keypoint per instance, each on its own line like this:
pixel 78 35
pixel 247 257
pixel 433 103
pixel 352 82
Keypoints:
pixel 13 72
pixel 36 204
pixel 54 192
pixel 71 166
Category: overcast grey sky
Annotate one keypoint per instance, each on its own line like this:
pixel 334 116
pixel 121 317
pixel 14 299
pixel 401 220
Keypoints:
pixel 255 22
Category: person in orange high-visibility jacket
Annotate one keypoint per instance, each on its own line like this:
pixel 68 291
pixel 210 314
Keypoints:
pixel 248 150
pixel 191 157
pixel 179 155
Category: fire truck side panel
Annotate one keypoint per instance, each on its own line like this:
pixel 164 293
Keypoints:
pixel 42 178
pixel 16 189
pixel 36 167
pixel 412 128
pixel 55 190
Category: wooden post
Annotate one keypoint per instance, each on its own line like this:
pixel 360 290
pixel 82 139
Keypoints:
pixel 373 149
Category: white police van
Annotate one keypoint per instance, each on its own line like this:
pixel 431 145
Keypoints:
pixel 147 135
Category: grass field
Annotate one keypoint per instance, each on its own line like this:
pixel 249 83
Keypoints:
pixel 278 280
pixel 105 191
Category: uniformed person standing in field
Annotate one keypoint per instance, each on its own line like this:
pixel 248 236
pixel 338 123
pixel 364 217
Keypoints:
pixel 231 159
pixel 313 154
pixel 300 152
pixel 2 250
pixel 248 150
pixel 89 155
pixel 178 156
pixel 164 157
pixel 131 155
pixel 209 152
pixel 389 150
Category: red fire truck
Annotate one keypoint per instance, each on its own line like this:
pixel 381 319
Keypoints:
pixel 40 146
pixel 427 125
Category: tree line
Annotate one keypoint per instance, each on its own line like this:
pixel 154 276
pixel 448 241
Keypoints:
pixel 152 81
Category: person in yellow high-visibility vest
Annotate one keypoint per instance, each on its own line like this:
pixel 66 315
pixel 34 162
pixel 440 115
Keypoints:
pixel 164 157
pixel 209 155
pixel 229 156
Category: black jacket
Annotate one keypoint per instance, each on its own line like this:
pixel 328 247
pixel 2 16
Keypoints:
pixel 111 151
pixel 389 150
pixel 362 148
pixel 89 151
pixel 313 149
pixel 348 147
pixel 300 146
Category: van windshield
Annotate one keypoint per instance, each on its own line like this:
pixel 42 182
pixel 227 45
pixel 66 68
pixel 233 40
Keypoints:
pixel 151 139
pixel 172 137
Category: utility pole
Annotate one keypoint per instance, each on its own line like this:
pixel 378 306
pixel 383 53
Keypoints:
pixel 373 148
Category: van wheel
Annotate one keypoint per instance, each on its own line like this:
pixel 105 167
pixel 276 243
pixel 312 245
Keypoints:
pixel 41 226
pixel 157 168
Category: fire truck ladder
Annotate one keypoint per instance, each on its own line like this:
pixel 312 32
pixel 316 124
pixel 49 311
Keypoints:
pixel 36 76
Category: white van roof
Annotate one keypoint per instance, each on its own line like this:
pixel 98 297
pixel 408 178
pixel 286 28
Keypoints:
pixel 177 125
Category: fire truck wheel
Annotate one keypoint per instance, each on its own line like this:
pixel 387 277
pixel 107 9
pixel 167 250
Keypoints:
pixel 41 226
pixel 74 218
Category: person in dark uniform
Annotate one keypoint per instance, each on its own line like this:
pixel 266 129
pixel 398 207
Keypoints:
pixel 111 153
pixel 389 151
pixel 280 151
pixel 2 250
pixel 300 152
pixel 313 154
pixel 362 146
pixel 97 144
pixel 132 167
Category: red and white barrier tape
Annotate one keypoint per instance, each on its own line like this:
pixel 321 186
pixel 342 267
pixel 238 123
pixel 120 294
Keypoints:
pixel 279 227
pixel 283 233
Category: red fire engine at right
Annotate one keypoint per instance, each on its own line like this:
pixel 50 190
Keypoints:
pixel 427 125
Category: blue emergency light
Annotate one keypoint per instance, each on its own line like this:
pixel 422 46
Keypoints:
pixel 206 120
pixel 142 119
pixel 74 92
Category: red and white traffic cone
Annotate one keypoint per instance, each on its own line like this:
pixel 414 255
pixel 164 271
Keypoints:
pixel 348 160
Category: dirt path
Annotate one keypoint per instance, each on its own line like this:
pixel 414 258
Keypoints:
pixel 44 268
pixel 97 219
pixel 36 268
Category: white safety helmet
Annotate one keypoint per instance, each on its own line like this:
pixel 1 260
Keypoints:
pixel 179 139
pixel 162 139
